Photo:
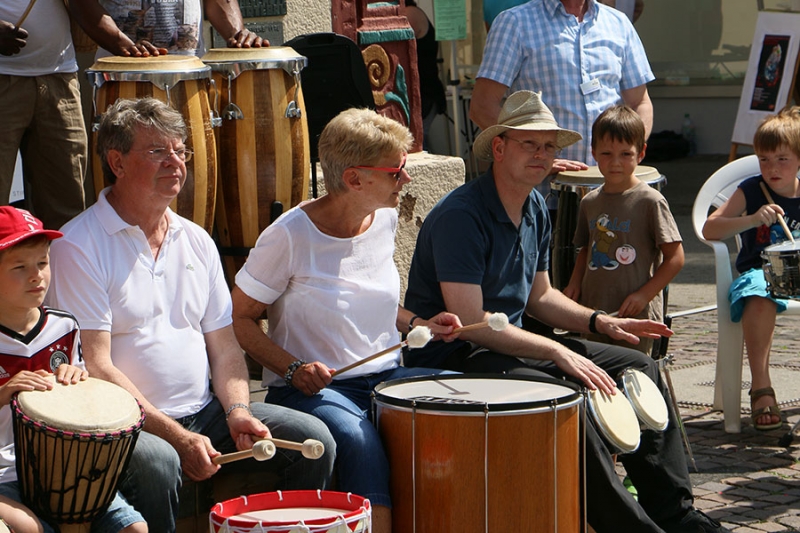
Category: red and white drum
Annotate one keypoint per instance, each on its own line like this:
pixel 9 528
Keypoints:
pixel 298 511
pixel 482 453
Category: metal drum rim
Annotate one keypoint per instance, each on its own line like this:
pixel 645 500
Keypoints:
pixel 425 407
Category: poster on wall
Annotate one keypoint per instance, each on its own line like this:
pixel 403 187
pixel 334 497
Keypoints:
pixel 771 71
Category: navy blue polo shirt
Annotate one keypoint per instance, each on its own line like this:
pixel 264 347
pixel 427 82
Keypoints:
pixel 469 238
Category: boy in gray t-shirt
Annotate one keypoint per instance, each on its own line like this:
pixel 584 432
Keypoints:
pixel 630 247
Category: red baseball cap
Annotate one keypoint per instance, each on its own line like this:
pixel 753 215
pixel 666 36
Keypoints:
pixel 16 225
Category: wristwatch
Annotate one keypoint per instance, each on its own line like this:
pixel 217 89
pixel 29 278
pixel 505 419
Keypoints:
pixel 593 320
pixel 287 377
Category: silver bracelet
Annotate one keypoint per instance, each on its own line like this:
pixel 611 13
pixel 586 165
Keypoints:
pixel 237 406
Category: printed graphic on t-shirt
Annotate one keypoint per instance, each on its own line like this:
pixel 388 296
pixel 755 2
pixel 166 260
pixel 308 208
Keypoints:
pixel 604 252
pixel 170 24
pixel 48 358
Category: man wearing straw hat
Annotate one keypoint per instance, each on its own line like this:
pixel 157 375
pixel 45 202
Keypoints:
pixel 41 111
pixel 485 248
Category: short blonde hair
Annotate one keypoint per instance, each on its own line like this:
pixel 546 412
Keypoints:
pixel 782 129
pixel 357 137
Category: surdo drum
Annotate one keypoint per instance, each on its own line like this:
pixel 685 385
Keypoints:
pixel 482 453
pixel 782 269
pixel 299 511
pixel 72 443
pixel 621 417
pixel 263 143
pixel 182 82
pixel 572 186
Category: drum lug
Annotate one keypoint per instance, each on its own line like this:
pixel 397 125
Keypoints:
pixel 216 121
pixel 292 111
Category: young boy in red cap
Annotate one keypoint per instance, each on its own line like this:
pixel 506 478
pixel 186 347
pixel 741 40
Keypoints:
pixel 35 343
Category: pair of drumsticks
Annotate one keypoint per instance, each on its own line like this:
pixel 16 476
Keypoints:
pixel 265 449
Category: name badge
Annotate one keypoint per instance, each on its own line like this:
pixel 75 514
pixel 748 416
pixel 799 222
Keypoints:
pixel 590 86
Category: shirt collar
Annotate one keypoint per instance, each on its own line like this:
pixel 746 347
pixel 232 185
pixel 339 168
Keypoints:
pixel 492 200
pixel 112 223
pixel 552 7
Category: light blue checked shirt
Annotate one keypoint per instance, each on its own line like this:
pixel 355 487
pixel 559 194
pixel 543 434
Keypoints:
pixel 538 46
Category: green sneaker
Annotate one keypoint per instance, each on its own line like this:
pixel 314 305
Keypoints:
pixel 629 486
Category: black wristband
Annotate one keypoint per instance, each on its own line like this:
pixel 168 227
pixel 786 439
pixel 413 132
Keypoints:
pixel 287 377
pixel 411 322
pixel 593 320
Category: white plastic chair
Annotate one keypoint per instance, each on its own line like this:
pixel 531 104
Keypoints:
pixel 728 383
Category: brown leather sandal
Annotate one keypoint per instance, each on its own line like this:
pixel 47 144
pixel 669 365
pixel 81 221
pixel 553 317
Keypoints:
pixel 773 410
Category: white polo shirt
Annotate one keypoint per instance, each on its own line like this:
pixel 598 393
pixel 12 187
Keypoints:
pixel 157 311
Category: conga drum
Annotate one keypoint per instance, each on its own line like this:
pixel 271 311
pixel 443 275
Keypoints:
pixel 73 443
pixel 183 83
pixel 263 144
pixel 300 511
pixel 572 186
pixel 482 453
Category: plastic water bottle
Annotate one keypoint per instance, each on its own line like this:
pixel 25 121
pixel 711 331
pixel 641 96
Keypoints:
pixel 687 130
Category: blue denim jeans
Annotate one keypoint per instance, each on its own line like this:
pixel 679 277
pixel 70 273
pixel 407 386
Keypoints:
pixel 118 516
pixel 345 406
pixel 153 478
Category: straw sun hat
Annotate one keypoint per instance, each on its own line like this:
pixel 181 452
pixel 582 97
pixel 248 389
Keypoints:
pixel 524 111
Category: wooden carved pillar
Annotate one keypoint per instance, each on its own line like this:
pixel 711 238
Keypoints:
pixel 390 53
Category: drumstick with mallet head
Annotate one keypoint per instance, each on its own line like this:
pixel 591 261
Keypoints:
pixel 497 321
pixel 416 338
pixel 261 451
pixel 782 222
pixel 310 448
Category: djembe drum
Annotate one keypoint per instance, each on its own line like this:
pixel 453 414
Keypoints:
pixel 73 443
pixel 182 82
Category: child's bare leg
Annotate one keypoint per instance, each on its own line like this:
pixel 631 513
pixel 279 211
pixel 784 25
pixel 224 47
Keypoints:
pixel 19 517
pixel 758 323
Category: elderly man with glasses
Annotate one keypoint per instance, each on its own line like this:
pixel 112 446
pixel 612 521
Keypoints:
pixel 485 248
pixel 147 287
pixel 324 273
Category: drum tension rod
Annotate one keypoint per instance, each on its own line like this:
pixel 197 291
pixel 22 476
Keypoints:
pixel 292 110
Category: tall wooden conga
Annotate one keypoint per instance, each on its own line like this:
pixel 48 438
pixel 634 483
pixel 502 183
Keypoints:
pixel 183 83
pixel 263 144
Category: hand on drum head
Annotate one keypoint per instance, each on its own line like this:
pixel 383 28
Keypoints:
pixel 585 370
pixel 67 374
pixel 25 380
pixel 561 165
pixel 246 39
pixel 142 48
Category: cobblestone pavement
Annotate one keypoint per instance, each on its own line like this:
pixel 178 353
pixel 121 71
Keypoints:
pixel 747 481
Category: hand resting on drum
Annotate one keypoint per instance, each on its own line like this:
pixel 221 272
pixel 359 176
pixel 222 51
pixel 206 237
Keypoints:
pixel 42 380
pixel 563 165
pixel 244 38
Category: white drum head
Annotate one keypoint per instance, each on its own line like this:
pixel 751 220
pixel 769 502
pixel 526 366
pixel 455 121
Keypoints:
pixel 93 405
pixel 646 399
pixel 616 420
pixel 292 514
pixel 443 392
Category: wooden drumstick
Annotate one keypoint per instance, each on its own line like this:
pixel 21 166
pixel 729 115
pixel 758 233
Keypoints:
pixel 417 338
pixel 261 451
pixel 310 448
pixel 497 321
pixel 25 14
pixel 782 222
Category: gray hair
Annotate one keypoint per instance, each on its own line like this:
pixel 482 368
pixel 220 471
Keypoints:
pixel 358 137
pixel 118 126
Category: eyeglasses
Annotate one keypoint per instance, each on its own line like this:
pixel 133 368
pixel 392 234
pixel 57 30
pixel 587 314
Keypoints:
pixel 160 155
pixel 393 172
pixel 533 147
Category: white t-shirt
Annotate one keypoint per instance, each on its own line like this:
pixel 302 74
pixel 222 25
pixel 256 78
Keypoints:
pixel 54 340
pixel 49 45
pixel 331 300
pixel 157 311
